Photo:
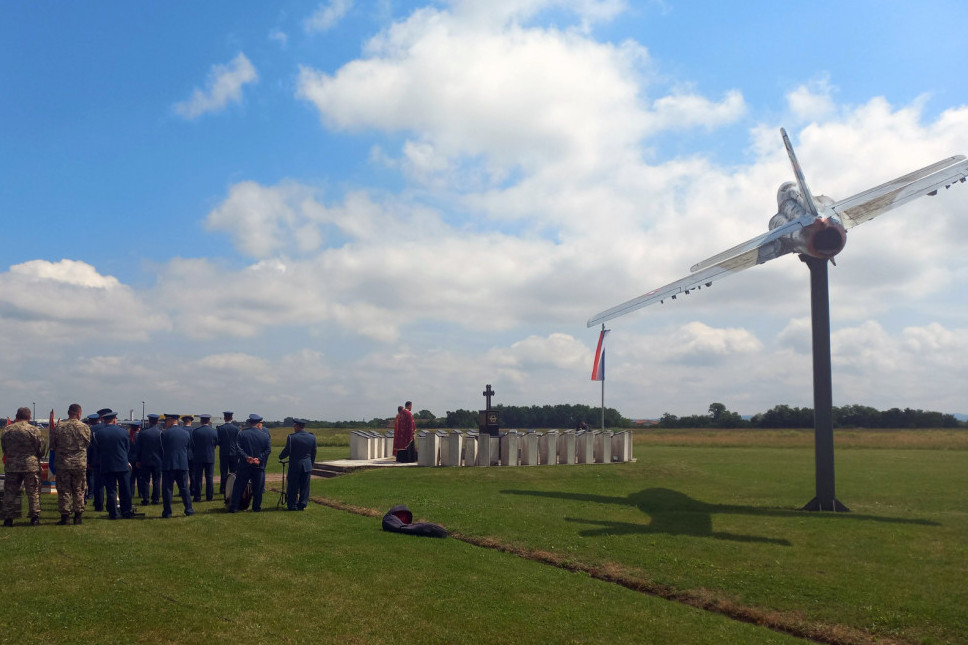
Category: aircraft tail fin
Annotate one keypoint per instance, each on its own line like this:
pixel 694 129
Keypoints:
pixel 801 181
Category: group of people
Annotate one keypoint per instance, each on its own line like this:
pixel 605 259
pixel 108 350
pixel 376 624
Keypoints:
pixel 404 434
pixel 96 458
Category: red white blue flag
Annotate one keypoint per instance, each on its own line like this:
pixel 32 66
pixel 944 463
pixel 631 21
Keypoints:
pixel 598 369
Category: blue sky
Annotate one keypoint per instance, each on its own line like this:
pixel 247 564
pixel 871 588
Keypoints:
pixel 324 209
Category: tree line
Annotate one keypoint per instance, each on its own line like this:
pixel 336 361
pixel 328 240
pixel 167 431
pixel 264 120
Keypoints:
pixel 718 416
pixel 785 416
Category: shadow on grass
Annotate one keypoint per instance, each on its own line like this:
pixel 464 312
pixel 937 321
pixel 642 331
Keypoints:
pixel 676 513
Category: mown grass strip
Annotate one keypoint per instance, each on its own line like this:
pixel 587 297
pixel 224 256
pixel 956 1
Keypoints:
pixel 704 599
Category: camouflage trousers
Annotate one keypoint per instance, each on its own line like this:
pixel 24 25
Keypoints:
pixel 71 487
pixel 11 488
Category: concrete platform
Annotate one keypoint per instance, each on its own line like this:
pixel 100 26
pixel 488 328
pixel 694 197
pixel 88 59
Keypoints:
pixel 339 467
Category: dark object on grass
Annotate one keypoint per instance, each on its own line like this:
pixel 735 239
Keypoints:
pixel 246 493
pixel 399 519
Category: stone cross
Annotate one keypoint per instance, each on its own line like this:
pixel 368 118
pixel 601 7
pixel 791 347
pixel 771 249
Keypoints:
pixel 488 393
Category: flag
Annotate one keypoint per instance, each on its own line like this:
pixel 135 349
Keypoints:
pixel 598 369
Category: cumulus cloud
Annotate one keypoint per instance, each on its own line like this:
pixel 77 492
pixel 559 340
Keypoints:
pixel 224 86
pixel 327 15
pixel 65 301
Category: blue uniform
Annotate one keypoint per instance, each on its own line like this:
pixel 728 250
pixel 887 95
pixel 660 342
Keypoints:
pixel 176 445
pixel 204 440
pixel 251 442
pixel 228 433
pixel 147 453
pixel 96 485
pixel 112 450
pixel 301 450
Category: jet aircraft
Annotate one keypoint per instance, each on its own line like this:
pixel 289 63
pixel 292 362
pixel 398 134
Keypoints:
pixel 804 224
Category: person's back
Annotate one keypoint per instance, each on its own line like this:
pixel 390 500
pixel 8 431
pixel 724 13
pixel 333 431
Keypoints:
pixel 175 446
pixel 204 441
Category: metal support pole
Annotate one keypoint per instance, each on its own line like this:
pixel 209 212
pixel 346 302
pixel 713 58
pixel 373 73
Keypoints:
pixel 823 421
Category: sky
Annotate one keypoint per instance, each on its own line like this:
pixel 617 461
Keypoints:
pixel 323 209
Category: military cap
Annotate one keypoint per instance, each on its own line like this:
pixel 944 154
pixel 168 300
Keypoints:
pixel 187 416
pixel 301 422
pixel 109 414
pixel 205 416
pixel 103 411
pixel 133 423
pixel 228 413
pixel 93 416
pixel 154 416
pixel 254 418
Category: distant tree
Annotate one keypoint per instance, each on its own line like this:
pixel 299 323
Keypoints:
pixel 426 415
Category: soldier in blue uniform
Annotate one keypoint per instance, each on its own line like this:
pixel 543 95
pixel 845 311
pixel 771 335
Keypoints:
pixel 134 429
pixel 112 448
pixel 301 450
pixel 94 462
pixel 253 449
pixel 228 432
pixel 204 440
pixel 176 445
pixel 91 420
pixel 147 456
pixel 186 421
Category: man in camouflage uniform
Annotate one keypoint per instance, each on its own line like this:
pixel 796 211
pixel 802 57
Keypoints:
pixel 24 447
pixel 69 441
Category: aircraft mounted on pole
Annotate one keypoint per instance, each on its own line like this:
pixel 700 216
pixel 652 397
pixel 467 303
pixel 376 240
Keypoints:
pixel 815 227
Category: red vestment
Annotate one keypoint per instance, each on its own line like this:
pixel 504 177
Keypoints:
pixel 403 431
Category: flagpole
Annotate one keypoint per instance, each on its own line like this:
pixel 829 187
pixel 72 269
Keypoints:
pixel 603 384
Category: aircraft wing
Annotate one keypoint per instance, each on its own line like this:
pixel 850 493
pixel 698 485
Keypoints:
pixel 743 256
pixel 871 203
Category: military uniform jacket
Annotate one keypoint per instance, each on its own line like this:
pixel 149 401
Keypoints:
pixel 147 447
pixel 93 460
pixel 69 441
pixel 301 450
pixel 112 446
pixel 176 444
pixel 253 442
pixel 228 433
pixel 24 446
pixel 204 440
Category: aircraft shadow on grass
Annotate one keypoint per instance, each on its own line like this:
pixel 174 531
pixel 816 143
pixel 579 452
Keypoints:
pixel 676 513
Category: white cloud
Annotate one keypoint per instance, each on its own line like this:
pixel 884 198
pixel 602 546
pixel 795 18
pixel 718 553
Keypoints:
pixel 279 36
pixel 812 101
pixel 327 15
pixel 65 301
pixel 224 86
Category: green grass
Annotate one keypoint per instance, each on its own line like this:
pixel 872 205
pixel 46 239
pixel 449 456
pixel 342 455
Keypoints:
pixel 712 524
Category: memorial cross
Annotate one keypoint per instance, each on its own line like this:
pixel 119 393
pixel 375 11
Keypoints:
pixel 488 393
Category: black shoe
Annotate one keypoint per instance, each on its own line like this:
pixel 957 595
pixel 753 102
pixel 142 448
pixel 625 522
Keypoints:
pixel 196 499
pixel 165 516
pixel 63 519
pixel 35 521
pixel 8 522
pixel 77 518
pixel 144 502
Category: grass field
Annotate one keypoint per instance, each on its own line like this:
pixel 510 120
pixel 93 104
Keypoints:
pixel 541 555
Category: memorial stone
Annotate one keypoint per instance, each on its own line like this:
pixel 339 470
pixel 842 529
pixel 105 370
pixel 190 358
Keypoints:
pixel 584 447
pixel 484 442
pixel 566 447
pixel 509 448
pixel 358 445
pixel 621 446
pixel 451 448
pixel 529 448
pixel 470 449
pixel 548 448
pixel 428 448
pixel 603 447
